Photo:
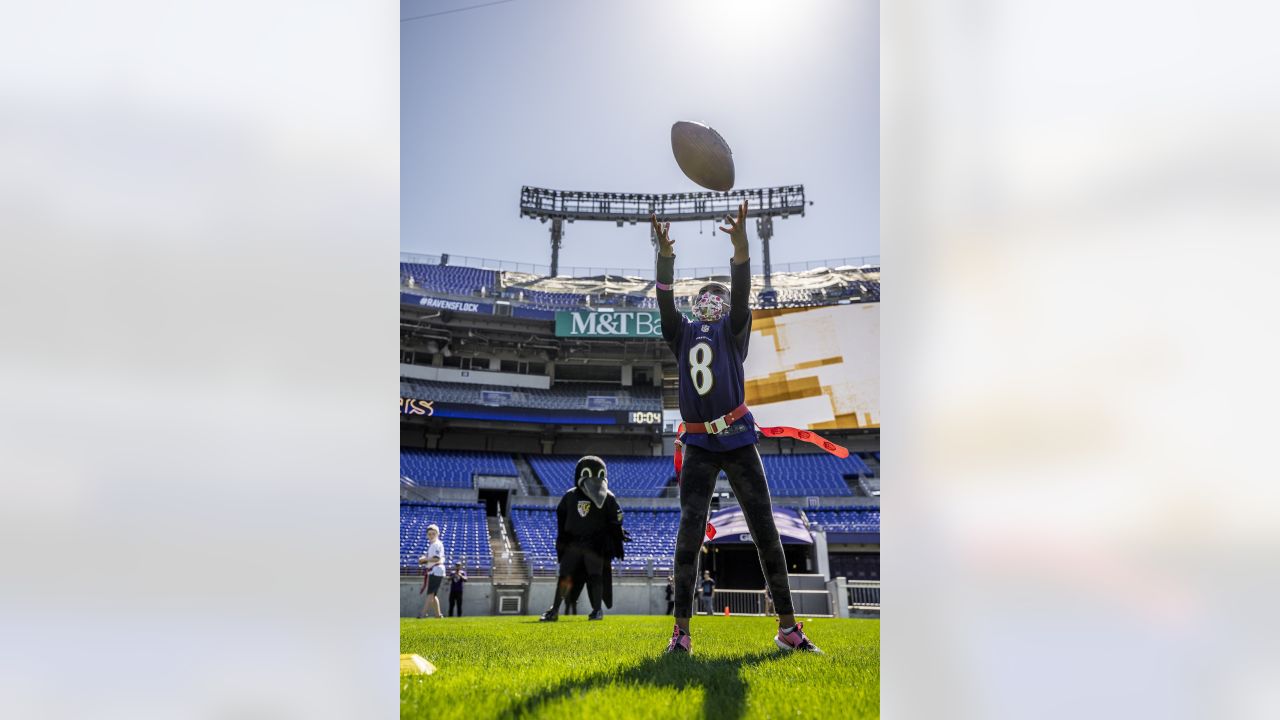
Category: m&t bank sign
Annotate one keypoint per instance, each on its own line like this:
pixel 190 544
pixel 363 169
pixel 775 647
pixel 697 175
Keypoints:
pixel 588 323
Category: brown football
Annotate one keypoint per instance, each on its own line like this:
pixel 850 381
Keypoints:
pixel 703 155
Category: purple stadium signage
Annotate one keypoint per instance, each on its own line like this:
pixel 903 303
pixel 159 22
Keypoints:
pixel 443 304
pixel 731 526
pixel 437 409
pixel 414 406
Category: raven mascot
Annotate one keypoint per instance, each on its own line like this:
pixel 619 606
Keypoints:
pixel 589 535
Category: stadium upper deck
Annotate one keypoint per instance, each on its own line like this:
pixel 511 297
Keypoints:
pixel 798 285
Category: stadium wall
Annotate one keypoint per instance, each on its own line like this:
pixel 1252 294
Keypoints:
pixel 644 596
pixel 508 443
pixel 438 494
pixel 643 446
pixel 477 598
pixel 475 377
pixel 631 596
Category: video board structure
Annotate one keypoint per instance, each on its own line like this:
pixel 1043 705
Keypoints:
pixel 560 206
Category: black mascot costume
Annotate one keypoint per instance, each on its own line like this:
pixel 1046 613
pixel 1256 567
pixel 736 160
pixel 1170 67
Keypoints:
pixel 589 536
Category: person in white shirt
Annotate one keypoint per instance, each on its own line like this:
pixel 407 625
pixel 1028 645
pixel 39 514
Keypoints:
pixel 433 560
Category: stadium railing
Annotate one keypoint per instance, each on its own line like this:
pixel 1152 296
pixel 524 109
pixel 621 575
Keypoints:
pixel 542 566
pixel 752 602
pixel 739 602
pixel 644 272
pixel 863 594
pixel 526 299
pixel 855 597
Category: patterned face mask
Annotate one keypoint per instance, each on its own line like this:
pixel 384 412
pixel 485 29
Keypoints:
pixel 710 307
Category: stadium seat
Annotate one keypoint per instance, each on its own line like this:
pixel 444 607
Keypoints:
pixel 463 530
pixel 561 396
pixel 788 475
pixel 453 468
pixel 820 286
pixel 812 473
pixel 450 279
pixel 629 476
pixel 652 530
pixel 851 518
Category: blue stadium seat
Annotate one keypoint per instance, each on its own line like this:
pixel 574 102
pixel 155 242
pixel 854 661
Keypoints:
pixel 453 468
pixel 450 279
pixel 850 518
pixel 653 534
pixel 629 476
pixel 463 530
pixel 811 473
pixel 788 475
pixel 561 396
pixel 458 280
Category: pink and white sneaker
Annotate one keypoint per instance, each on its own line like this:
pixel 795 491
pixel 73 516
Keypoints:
pixel 794 639
pixel 680 642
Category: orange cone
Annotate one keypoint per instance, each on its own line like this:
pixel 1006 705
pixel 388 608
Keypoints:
pixel 726 611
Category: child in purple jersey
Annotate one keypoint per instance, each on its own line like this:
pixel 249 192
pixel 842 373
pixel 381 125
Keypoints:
pixel 720 432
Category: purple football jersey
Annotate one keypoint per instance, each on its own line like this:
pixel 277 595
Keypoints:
pixel 709 357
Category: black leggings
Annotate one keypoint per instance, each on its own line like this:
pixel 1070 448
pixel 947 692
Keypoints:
pixel 593 562
pixel 455 599
pixel 746 477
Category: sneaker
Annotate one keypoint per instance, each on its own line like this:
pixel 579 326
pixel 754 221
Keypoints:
pixel 794 639
pixel 680 642
pixel 596 615
pixel 549 616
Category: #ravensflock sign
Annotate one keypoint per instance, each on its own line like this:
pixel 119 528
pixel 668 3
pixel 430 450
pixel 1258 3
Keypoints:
pixel 444 304
pixel 588 323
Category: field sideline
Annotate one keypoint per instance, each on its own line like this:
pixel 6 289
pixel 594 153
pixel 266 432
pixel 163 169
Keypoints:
pixel 516 667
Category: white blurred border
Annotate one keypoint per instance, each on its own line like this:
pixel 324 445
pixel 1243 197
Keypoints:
pixel 1080 241
pixel 199 208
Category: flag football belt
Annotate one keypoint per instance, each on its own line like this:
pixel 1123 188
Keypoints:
pixel 717 426
pixel 722 423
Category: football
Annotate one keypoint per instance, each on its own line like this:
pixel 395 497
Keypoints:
pixel 702 155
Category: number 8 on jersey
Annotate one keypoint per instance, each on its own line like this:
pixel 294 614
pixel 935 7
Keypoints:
pixel 700 358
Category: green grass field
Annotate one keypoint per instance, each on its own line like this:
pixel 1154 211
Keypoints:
pixel 516 667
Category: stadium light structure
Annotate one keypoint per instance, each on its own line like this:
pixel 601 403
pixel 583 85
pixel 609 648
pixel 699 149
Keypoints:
pixel 560 206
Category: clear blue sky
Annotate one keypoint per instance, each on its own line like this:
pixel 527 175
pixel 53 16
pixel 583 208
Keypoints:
pixel 581 95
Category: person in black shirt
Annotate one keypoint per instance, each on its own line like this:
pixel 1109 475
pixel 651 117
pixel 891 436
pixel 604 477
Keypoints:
pixel 589 535
pixel 456 579
pixel 708 591
pixel 671 603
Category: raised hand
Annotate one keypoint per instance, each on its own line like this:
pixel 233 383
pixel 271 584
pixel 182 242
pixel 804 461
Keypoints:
pixel 737 229
pixel 661 231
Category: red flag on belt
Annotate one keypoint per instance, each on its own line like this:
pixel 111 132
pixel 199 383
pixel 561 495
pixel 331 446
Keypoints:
pixel 808 436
